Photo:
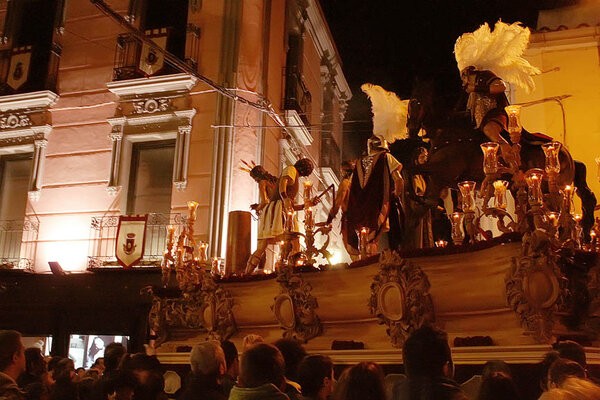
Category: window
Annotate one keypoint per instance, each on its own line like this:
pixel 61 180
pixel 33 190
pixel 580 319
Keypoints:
pixel 151 177
pixel 16 170
pixel 14 174
pixel 30 53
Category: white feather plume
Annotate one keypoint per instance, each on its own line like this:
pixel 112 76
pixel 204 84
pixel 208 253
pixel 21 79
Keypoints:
pixel 389 113
pixel 499 51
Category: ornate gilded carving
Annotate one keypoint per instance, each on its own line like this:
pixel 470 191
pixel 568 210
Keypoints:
pixel 294 307
pixel 400 297
pixel 535 287
pixel 150 106
pixel 206 308
pixel 11 121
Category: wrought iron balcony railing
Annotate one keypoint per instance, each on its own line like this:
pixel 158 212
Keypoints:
pixel 104 236
pixel 297 95
pixel 18 240
pixel 129 51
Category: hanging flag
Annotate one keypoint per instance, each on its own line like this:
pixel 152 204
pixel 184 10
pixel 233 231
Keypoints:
pixel 19 67
pixel 151 59
pixel 131 237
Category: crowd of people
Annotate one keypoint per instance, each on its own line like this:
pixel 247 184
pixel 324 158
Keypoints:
pixel 280 371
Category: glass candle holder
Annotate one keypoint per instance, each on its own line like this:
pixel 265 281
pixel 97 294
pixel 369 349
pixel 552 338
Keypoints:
pixel 192 207
pixel 567 200
pixel 490 157
pixel 289 220
pixel 533 178
pixel 514 126
pixel 363 240
pixel 551 151
pixel 500 194
pixel 203 252
pixel 456 219
pixel 307 194
pixel 467 190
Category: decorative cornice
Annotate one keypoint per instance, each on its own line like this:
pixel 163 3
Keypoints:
pixel 156 84
pixel 33 100
pixel 564 39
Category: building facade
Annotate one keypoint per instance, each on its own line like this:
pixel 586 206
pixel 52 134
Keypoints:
pixel 565 47
pixel 98 122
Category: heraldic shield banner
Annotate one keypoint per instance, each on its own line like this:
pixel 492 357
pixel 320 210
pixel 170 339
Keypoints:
pixel 131 236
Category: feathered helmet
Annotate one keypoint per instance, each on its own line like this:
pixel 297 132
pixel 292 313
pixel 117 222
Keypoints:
pixel 499 51
pixel 389 113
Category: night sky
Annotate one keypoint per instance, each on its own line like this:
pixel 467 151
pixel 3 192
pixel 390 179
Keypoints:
pixel 394 42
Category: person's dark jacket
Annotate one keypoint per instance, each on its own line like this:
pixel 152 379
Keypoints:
pixel 422 388
pixel 203 388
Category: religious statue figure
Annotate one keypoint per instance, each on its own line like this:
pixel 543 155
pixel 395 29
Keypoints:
pixel 273 213
pixel 486 60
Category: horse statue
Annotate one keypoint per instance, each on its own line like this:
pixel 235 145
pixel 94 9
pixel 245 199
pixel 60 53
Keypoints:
pixel 456 156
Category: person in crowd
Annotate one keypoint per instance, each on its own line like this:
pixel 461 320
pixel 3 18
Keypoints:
pixel 262 374
pixel 315 376
pixel 429 368
pixel 562 369
pixel 98 366
pixel 573 389
pixel 293 353
pixel 233 366
pixel 113 353
pixel 207 361
pixel 490 368
pixel 498 386
pixel 363 381
pixel 147 371
pixel 64 387
pixel 51 364
pixel 250 340
pixel 81 372
pixel 34 381
pixel 12 365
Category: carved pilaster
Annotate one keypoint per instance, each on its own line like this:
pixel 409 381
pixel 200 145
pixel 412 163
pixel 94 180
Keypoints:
pixel 116 138
pixel 182 149
pixel 35 181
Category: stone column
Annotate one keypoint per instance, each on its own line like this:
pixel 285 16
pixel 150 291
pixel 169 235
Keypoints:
pixel 116 137
pixel 37 169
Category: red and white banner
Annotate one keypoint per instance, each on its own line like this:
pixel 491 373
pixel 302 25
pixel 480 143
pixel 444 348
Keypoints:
pixel 131 236
pixel 19 67
pixel 151 59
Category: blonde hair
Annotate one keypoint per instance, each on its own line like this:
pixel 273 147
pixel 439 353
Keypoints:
pixel 573 389
pixel 207 358
pixel 250 340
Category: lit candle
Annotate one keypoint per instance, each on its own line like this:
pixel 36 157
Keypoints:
pixel 441 243
pixel 490 157
pixel 307 192
pixel 551 151
pixel 533 178
pixel 467 190
pixel 567 193
pixel 289 221
pixel 500 194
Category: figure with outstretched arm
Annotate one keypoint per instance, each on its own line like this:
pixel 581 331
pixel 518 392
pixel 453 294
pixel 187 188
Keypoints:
pixel 271 222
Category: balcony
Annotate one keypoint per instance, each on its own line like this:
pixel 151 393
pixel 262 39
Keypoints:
pixel 103 235
pixel 42 75
pixel 297 95
pixel 17 243
pixel 129 51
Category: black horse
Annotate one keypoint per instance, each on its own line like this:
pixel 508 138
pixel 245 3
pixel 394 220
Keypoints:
pixel 455 153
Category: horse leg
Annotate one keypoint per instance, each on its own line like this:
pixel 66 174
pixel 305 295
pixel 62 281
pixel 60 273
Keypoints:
pixel 588 199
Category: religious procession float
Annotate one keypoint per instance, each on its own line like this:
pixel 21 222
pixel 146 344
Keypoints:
pixel 513 270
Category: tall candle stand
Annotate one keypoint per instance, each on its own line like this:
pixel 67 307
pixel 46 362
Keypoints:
pixel 533 178
pixel 567 231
